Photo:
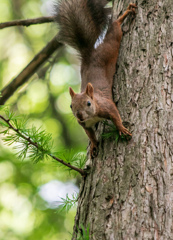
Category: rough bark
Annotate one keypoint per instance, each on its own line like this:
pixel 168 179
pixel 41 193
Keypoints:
pixel 128 193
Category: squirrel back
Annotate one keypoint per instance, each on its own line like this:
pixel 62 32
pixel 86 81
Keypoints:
pixel 81 22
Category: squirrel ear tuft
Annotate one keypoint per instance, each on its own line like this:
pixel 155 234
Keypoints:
pixel 90 90
pixel 72 93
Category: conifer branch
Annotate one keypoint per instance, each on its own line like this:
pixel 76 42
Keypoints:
pixel 68 202
pixel 40 148
pixel 30 69
pixel 27 22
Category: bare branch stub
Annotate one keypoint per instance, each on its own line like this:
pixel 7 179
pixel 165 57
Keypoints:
pixel 27 22
pixel 30 69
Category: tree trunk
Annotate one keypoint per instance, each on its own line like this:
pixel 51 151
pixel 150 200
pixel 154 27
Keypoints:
pixel 128 193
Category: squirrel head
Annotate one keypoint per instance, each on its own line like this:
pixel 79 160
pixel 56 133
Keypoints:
pixel 83 105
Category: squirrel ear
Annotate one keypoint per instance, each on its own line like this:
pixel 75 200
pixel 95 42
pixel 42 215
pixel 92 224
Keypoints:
pixel 90 90
pixel 72 93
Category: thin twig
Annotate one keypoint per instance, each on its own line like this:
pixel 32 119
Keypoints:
pixel 30 69
pixel 26 22
pixel 29 140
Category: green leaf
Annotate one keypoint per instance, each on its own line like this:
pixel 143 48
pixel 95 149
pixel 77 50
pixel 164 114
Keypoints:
pixel 70 156
pixel 68 203
pixel 113 132
pixel 4 124
pixel 84 233
pixel 2 107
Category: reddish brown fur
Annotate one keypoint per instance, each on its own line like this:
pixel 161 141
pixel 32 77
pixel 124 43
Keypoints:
pixel 95 100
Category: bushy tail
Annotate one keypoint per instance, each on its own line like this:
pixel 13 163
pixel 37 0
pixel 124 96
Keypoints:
pixel 81 22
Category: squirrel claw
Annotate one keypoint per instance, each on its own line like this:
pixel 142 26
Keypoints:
pixel 132 7
pixel 125 131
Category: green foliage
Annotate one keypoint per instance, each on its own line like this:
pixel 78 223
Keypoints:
pixel 34 143
pixel 113 132
pixel 3 107
pixel 76 159
pixel 84 233
pixel 45 101
pixel 20 202
pixel 68 203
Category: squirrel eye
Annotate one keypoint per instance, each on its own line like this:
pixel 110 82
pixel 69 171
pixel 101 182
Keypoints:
pixel 70 106
pixel 88 103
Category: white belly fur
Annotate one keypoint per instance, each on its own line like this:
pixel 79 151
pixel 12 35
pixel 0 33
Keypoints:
pixel 92 121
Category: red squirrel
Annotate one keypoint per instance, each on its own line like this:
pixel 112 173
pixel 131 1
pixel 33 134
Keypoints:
pixel 81 22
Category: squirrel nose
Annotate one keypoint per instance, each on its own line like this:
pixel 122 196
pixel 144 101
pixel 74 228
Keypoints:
pixel 79 115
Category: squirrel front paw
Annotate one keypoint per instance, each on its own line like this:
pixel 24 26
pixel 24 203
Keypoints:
pixel 93 150
pixel 124 130
pixel 132 8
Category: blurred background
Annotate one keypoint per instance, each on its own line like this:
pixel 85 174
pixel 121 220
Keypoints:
pixel 30 194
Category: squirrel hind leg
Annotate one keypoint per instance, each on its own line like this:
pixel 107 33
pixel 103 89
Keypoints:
pixel 131 9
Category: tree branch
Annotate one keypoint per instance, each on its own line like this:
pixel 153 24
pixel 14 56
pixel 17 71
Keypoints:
pixel 26 22
pixel 29 140
pixel 30 69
